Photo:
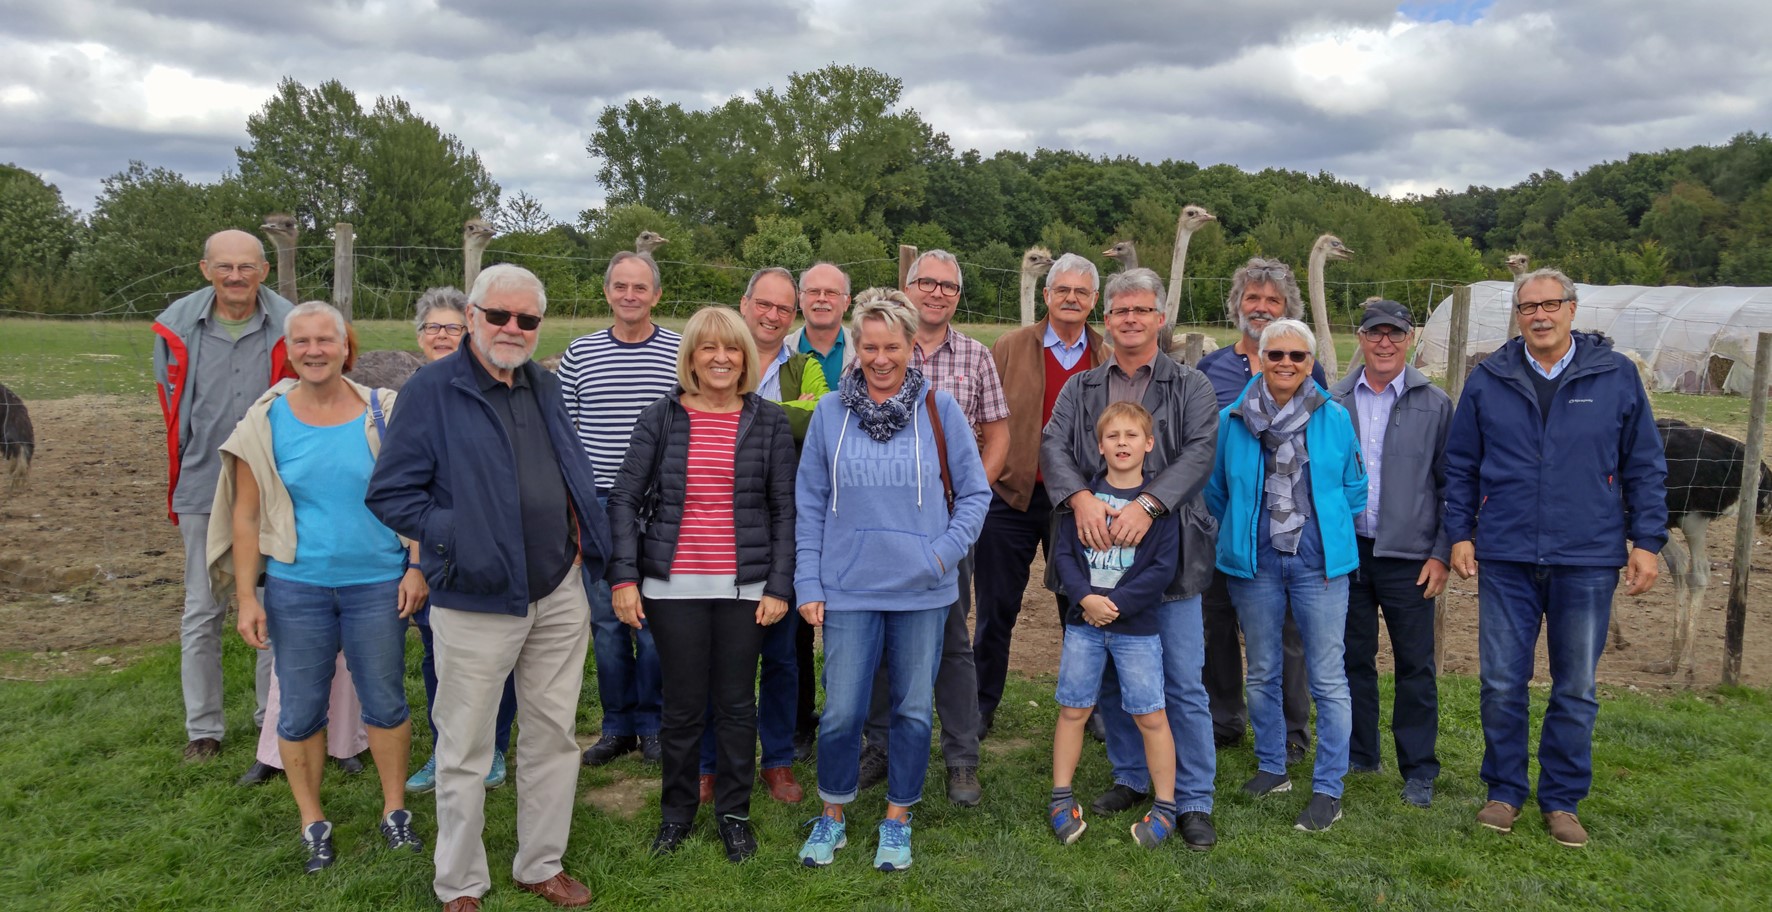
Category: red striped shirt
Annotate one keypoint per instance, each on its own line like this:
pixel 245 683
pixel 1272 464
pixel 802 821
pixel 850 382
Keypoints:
pixel 705 541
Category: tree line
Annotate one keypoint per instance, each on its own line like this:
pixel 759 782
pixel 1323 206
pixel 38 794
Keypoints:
pixel 833 166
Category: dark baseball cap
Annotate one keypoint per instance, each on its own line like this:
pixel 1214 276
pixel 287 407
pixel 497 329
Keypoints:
pixel 1386 313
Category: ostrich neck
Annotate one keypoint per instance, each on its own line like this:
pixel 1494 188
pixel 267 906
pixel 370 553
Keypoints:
pixel 286 272
pixel 1320 314
pixel 471 265
pixel 1177 272
pixel 1027 298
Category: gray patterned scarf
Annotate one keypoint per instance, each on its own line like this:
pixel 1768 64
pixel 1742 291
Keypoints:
pixel 1281 432
pixel 881 419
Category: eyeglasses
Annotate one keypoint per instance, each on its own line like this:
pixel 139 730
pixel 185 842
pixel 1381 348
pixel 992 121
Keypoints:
pixel 1528 308
pixel 451 329
pixel 1071 291
pixel 928 286
pixel 244 269
pixel 525 322
pixel 1132 312
pixel 1297 357
pixel 1385 333
pixel 814 293
pixel 786 310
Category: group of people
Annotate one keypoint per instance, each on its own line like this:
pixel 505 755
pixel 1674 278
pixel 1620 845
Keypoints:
pixel 693 507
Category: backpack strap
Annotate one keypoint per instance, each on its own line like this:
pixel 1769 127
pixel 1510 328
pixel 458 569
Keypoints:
pixel 381 424
pixel 941 448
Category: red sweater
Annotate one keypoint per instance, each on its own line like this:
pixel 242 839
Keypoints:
pixel 1056 375
pixel 705 542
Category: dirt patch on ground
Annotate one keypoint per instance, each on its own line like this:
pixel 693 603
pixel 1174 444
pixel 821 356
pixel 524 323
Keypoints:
pixel 89 562
pixel 624 797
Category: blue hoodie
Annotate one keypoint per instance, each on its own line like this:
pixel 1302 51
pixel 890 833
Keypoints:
pixel 872 529
pixel 1568 490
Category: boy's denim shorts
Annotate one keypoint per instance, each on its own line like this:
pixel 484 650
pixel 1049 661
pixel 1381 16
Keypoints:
pixel 1137 659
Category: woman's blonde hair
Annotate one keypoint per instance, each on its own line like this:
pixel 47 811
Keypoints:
pixel 722 326
pixel 888 305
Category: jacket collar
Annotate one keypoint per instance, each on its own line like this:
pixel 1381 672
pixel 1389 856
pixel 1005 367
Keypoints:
pixel 1344 387
pixel 1593 353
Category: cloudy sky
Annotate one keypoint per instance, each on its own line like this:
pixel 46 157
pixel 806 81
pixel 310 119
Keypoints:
pixel 1399 98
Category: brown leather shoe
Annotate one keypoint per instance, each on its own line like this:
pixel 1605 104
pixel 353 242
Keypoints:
pixel 202 750
pixel 1498 816
pixel 561 890
pixel 1565 829
pixel 705 791
pixel 782 786
pixel 463 904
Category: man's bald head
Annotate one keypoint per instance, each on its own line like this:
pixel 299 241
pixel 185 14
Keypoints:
pixel 234 263
pixel 236 242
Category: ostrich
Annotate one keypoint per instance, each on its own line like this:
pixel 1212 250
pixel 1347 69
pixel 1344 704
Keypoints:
pixel 283 231
pixel 17 441
pixel 1516 264
pixel 475 235
pixel 1703 485
pixel 1192 219
pixel 649 241
pixel 1125 253
pixel 1328 247
pixel 1034 264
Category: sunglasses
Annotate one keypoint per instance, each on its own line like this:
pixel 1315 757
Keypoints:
pixel 525 322
pixel 1277 356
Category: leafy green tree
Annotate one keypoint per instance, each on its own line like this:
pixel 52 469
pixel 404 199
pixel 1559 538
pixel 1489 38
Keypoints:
pixel 1688 220
pixel 37 230
pixel 147 231
pixel 926 236
pixel 778 241
pixel 521 214
pixel 306 154
pixel 1648 265
pixel 862 255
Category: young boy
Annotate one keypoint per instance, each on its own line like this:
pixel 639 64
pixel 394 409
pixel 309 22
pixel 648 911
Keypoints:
pixel 1114 595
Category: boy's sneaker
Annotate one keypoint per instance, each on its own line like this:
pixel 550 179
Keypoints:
pixel 1067 822
pixel 1153 829
pixel 425 779
pixel 894 853
pixel 1263 784
pixel 495 776
pixel 397 829
pixel 316 837
pixel 821 847
pixel 1319 814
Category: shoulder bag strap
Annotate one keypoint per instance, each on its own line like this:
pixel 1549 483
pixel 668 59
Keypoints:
pixel 941 447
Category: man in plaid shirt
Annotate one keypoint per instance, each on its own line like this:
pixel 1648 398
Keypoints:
pixel 963 368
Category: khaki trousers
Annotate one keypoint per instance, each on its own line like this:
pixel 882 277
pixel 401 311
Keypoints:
pixel 475 653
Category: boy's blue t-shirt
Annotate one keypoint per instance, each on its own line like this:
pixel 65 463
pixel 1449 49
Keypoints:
pixel 1133 577
pixel 338 542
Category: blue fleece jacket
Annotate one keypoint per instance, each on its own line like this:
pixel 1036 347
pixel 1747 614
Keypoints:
pixel 1338 487
pixel 871 526
pixel 1568 490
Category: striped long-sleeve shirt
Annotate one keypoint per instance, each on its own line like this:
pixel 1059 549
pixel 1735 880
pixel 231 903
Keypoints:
pixel 606 383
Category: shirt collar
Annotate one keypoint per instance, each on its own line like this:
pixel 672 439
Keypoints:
pixel 484 379
pixel 1557 368
pixel 1053 340
pixel 1395 386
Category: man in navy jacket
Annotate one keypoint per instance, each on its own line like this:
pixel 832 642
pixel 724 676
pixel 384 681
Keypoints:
pixel 482 467
pixel 1552 463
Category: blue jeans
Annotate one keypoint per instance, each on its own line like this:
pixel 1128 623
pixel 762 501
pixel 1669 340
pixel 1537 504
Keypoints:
pixel 310 624
pixel 1181 630
pixel 1319 606
pixel 1575 604
pixel 507 705
pixel 908 645
pixel 627 666
pixel 778 691
pixel 1137 659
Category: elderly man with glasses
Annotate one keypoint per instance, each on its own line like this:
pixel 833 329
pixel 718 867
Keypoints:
pixel 1185 415
pixel 1553 464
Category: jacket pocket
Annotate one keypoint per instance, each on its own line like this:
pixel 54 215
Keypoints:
pixel 1199 549
pixel 887 560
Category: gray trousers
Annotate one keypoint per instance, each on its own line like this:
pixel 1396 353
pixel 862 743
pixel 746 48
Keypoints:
pixel 475 653
pixel 200 640
pixel 956 686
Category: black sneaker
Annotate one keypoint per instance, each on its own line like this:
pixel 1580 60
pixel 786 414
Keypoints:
pixel 350 766
pixel 650 750
pixel 873 768
pixel 1196 831
pixel 316 837
pixel 610 747
pixel 740 842
pixel 258 774
pixel 670 836
pixel 1294 753
pixel 1096 728
pixel 396 828
pixel 1117 799
pixel 1264 783
pixel 1319 814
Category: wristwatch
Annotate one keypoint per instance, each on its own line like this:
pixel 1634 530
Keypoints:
pixel 1152 506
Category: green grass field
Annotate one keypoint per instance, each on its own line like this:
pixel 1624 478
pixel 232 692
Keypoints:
pixel 101 814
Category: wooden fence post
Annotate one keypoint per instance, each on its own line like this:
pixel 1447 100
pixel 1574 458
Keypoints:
pixel 906 256
pixel 344 274
pixel 1458 341
pixel 1735 623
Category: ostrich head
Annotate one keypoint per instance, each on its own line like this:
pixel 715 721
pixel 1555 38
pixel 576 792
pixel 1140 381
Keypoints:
pixel 1124 252
pixel 476 234
pixel 1516 264
pixel 1036 262
pixel 1332 248
pixel 282 229
pixel 1194 217
pixel 649 241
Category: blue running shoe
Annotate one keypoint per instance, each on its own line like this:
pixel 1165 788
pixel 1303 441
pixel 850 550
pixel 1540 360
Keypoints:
pixel 894 853
pixel 425 779
pixel 821 847
pixel 495 777
pixel 1153 829
pixel 1067 822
